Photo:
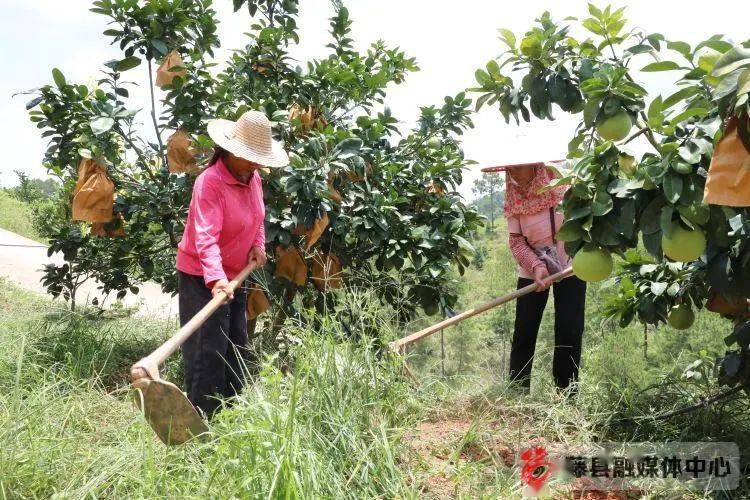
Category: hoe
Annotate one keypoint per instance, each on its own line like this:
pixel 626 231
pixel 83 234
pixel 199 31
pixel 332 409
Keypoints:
pixel 174 418
pixel 166 408
pixel 399 345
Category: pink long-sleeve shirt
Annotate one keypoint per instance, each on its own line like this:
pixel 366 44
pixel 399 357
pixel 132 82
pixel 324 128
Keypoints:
pixel 529 231
pixel 225 220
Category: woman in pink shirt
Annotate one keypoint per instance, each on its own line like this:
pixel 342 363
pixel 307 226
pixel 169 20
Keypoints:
pixel 533 220
pixel 223 233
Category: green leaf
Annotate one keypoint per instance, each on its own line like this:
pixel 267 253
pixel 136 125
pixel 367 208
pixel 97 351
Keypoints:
pixel 652 242
pixel 508 37
pixel 127 63
pixel 594 11
pixel 681 47
pixel 580 213
pixel 483 78
pixel 672 187
pixel 651 216
pixel 493 69
pixel 665 220
pixel 101 124
pixel 349 146
pixel 482 100
pixel 680 95
pixel 660 66
pixel 34 102
pixel 734 58
pixel 688 113
pixel 743 83
pixel 58 77
pixel 655 115
pixel 658 287
pixel 160 47
pixel 602 204
pixel 655 40
pixel 593 26
pixel 590 111
pixel 718 45
pixel 570 231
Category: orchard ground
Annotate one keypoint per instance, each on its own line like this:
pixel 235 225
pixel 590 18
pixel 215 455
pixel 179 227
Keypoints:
pixel 340 422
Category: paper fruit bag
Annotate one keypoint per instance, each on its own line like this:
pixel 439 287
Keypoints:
pixel 165 74
pixel 728 181
pixel 94 193
pixel 180 155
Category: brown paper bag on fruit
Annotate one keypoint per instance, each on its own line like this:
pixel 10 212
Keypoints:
pixel 165 74
pixel 728 181
pixel 332 192
pixel 257 303
pixel 180 154
pixel 313 234
pixel 94 193
pixel 112 229
pixel 290 265
pixel 326 272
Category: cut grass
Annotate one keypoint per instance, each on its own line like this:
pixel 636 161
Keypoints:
pixel 15 216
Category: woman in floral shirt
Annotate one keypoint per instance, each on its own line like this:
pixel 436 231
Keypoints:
pixel 533 220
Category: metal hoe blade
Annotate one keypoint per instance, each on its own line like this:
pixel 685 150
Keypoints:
pixel 169 412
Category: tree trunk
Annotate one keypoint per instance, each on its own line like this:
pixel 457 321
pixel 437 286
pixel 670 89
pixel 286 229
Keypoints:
pixel 492 208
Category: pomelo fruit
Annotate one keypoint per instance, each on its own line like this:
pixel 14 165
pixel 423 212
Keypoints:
pixel 430 308
pixel 434 143
pixel 626 163
pixel 681 317
pixel 683 245
pixel 616 127
pixel 531 46
pixel 592 264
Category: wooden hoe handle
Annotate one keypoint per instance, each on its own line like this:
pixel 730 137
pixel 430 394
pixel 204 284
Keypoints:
pixel 148 367
pixel 400 344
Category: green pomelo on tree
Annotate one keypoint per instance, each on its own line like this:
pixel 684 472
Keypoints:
pixel 616 127
pixel 592 264
pixel 434 143
pixel 626 163
pixel 683 245
pixel 681 317
pixel 531 46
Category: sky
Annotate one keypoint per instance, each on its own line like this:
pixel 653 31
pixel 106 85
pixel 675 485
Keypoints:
pixel 450 40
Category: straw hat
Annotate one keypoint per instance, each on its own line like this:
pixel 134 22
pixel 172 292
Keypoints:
pixel 249 138
pixel 504 168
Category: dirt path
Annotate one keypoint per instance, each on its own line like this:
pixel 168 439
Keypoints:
pixel 22 261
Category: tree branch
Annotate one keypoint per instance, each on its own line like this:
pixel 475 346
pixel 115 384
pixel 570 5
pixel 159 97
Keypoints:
pixel 705 403
pixel 153 114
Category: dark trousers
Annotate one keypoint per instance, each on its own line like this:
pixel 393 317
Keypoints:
pixel 570 302
pixel 214 354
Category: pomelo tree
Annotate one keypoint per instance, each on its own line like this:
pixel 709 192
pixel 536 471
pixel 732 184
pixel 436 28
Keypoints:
pixel 617 199
pixel 361 194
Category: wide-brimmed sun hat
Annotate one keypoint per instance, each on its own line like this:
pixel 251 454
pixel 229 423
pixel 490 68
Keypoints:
pixel 249 138
pixel 504 168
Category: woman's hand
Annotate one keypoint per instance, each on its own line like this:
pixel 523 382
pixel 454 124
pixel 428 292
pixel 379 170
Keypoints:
pixel 540 272
pixel 222 286
pixel 258 255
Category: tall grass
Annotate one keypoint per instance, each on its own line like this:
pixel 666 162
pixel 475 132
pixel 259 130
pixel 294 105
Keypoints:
pixel 15 216
pixel 328 427
pixel 336 419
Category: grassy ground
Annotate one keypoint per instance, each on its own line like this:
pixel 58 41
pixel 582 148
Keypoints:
pixel 15 216
pixel 340 422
